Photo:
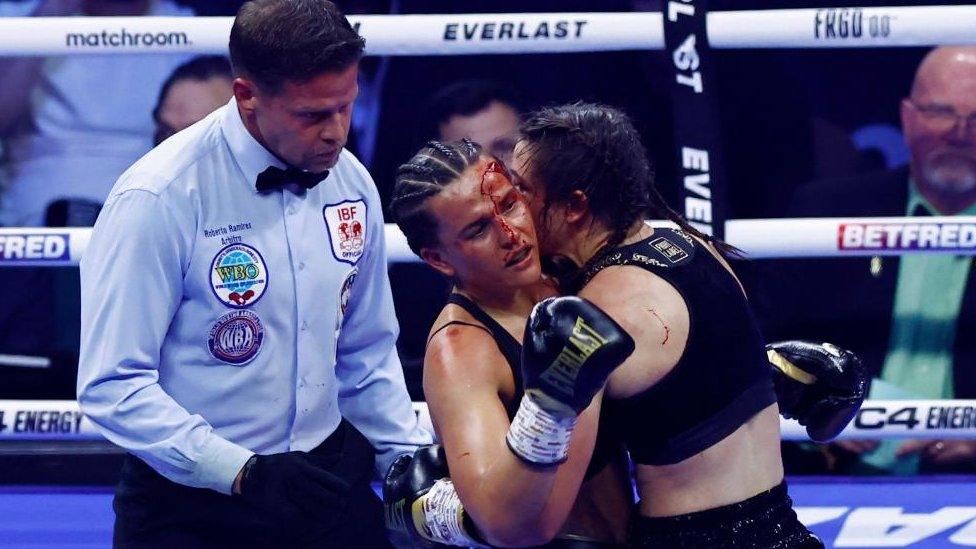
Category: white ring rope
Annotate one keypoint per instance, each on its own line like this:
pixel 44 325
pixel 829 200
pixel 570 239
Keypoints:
pixel 514 32
pixel 758 238
pixel 877 419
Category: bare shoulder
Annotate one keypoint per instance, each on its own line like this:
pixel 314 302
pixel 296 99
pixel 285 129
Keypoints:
pixel 461 350
pixel 626 290
pixel 653 312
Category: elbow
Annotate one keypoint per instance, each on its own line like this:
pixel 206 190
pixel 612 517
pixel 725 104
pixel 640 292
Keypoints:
pixel 501 530
pixel 95 399
pixel 88 400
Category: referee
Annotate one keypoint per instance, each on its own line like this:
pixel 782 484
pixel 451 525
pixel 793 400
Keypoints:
pixel 237 324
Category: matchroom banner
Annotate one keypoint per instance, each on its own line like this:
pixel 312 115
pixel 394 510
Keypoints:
pixel 697 131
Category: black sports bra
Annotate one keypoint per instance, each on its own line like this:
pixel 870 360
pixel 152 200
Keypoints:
pixel 607 446
pixel 722 378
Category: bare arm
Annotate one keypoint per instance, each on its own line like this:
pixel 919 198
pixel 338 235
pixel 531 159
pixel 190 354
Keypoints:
pixel 653 313
pixel 20 74
pixel 512 502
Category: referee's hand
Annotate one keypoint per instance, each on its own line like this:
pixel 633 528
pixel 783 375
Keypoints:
pixel 291 485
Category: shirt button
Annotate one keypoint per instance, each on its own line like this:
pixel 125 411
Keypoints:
pixel 301 265
pixel 304 325
pixel 291 210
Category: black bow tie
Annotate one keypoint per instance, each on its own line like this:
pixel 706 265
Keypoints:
pixel 275 178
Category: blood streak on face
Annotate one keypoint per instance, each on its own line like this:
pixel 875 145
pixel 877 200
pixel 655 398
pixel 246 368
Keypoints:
pixel 494 167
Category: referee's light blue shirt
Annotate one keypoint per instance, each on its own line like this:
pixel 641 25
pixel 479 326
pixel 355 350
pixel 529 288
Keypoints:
pixel 218 322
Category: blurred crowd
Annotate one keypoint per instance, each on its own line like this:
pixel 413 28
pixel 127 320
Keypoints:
pixel 808 134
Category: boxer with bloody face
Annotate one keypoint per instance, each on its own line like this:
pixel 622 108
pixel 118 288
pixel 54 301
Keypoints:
pixel 462 214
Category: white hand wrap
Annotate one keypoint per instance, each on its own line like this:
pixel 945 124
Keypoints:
pixel 442 514
pixel 538 436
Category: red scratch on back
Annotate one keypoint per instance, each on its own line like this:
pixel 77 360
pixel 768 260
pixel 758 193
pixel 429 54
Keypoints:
pixel 667 331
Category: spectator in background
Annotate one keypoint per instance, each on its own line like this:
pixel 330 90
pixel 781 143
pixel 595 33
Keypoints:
pixel 72 124
pixel 484 111
pixel 915 316
pixel 194 90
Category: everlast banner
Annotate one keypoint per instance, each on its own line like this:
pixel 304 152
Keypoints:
pixel 697 130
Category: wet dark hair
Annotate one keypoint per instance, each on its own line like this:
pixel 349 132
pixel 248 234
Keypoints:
pixel 434 167
pixel 278 41
pixel 595 149
pixel 200 69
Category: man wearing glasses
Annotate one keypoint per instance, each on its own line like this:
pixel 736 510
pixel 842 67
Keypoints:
pixel 911 318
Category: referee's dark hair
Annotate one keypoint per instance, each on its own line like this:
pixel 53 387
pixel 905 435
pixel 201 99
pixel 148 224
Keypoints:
pixel 278 41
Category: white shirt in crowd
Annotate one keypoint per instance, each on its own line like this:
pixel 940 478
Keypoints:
pixel 218 321
pixel 91 118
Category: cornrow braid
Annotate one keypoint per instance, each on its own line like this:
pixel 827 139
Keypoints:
pixel 434 167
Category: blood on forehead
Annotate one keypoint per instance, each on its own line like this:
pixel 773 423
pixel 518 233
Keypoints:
pixel 493 176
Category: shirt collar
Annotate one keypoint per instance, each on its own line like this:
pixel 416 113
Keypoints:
pixel 250 155
pixel 919 206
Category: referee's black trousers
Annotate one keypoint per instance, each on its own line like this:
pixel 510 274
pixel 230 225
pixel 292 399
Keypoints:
pixel 152 511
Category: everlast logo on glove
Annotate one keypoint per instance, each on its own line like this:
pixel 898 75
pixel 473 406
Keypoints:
pixel 582 343
pixel 562 371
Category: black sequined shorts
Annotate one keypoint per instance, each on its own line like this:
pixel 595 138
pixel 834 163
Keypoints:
pixel 764 521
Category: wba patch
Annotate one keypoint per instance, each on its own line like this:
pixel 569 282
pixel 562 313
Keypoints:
pixel 236 337
pixel 346 224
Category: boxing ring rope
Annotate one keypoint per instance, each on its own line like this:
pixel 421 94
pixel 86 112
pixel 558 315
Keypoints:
pixel 758 238
pixel 509 33
pixel 499 33
pixel 62 420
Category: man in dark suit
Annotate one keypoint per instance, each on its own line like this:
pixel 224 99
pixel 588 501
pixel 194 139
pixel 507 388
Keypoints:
pixel 912 319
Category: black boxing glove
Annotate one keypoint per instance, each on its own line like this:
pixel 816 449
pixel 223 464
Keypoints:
pixel 289 485
pixel 420 502
pixel 569 349
pixel 819 384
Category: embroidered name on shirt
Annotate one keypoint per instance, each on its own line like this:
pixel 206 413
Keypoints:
pixel 224 231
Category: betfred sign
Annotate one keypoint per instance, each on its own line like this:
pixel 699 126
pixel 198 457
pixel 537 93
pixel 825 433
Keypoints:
pixel 906 236
pixel 34 247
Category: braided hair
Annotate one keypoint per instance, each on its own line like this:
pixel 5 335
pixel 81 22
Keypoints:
pixel 595 149
pixel 434 167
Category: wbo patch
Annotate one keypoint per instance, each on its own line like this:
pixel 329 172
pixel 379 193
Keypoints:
pixel 236 337
pixel 346 225
pixel 238 276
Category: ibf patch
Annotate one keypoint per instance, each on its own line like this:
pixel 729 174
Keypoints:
pixel 669 250
pixel 346 224
pixel 238 276
pixel 236 337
